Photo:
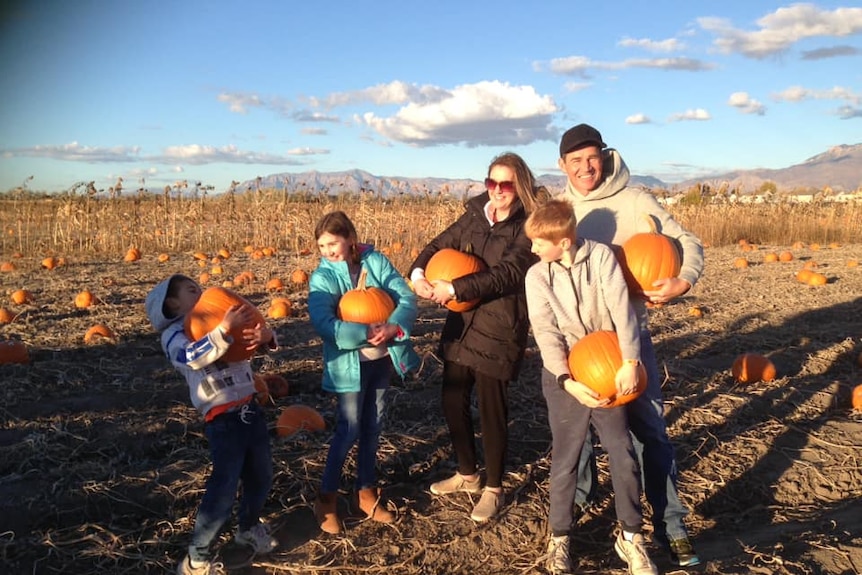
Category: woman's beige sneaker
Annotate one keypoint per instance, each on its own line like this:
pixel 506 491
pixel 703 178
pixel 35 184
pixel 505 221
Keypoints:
pixel 457 484
pixel 489 505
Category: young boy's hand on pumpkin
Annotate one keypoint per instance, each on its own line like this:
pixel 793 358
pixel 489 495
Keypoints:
pixel 584 394
pixel 257 335
pixel 626 379
pixel 237 316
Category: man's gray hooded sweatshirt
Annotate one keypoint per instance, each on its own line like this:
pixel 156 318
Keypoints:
pixel 614 212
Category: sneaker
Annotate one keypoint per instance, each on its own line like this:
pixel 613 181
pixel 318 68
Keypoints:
pixel 634 554
pixel 258 538
pixel 208 568
pixel 488 506
pixel 558 561
pixel 682 552
pixel 457 484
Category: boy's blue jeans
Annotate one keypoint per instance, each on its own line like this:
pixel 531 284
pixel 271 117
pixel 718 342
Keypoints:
pixel 655 454
pixel 360 417
pixel 240 452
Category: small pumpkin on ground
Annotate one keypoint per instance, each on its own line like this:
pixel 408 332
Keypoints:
pixel 753 367
pixel 297 417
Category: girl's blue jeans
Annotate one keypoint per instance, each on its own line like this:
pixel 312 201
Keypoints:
pixel 360 418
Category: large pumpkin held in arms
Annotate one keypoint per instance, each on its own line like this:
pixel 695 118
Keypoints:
pixel 209 311
pixel 449 264
pixel 647 257
pixel 594 361
pixel 366 305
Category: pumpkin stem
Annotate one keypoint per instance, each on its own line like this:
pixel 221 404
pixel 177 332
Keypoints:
pixel 651 223
pixel 468 249
pixel 360 284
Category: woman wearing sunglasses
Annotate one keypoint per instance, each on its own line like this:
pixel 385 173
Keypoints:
pixel 482 348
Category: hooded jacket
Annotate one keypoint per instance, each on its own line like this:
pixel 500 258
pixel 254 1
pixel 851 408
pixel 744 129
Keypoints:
pixel 492 336
pixel 343 339
pixel 212 382
pixel 565 304
pixel 614 212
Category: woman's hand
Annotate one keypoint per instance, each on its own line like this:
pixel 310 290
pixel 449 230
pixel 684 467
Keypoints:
pixel 423 288
pixel 442 292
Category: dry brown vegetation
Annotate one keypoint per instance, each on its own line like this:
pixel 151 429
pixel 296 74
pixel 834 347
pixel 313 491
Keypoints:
pixel 102 459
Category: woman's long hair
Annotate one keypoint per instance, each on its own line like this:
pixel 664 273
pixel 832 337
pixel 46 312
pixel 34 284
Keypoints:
pixel 530 194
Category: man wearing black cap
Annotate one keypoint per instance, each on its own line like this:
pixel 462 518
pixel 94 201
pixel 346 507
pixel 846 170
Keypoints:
pixel 609 211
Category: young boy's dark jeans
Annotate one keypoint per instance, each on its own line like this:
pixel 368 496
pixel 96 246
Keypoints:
pixel 240 451
pixel 570 422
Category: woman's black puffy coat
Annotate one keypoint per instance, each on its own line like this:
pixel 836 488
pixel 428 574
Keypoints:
pixel 492 336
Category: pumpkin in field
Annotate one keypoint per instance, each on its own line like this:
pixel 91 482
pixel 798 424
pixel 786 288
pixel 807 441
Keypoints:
pixel 98 332
pixel 594 361
pixel 6 315
pixel 299 277
pixel 753 367
pixel 294 418
pixel 647 257
pixel 785 256
pixel 740 263
pixel 856 400
pixel 275 384
pixel 84 299
pixel 21 296
pixel 817 279
pixel 49 263
pixel 261 390
pixel 365 305
pixel 449 264
pixel 279 308
pixel 275 284
pixel 12 351
pixel 209 311
pixel 133 254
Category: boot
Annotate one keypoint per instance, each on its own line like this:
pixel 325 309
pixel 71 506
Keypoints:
pixel 326 512
pixel 373 507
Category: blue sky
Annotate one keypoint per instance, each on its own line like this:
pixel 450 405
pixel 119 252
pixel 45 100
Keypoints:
pixel 213 91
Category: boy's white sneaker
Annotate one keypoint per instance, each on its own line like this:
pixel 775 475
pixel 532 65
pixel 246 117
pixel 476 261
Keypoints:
pixel 558 561
pixel 258 538
pixel 208 568
pixel 634 554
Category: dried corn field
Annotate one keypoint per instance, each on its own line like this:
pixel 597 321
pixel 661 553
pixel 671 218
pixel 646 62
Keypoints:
pixel 103 460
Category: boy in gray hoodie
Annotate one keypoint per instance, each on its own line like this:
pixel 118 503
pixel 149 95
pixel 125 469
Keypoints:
pixel 578 288
pixel 223 392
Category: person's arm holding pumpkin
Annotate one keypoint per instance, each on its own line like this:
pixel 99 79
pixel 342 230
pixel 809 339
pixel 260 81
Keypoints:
pixel 400 321
pixel 322 309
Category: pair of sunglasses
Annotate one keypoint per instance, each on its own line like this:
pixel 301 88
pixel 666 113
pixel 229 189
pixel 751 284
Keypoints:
pixel 505 187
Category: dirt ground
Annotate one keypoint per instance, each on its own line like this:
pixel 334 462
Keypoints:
pixel 103 460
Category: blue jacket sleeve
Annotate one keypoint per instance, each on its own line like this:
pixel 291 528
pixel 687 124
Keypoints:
pixel 323 296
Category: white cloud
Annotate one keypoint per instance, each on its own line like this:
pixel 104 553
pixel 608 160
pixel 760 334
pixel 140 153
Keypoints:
pixel 697 114
pixel 240 103
pixel 198 154
pixel 800 94
pixel 393 93
pixel 485 113
pixel 831 52
pixel 581 65
pixel 668 45
pixel 307 151
pixel 314 131
pixel 576 86
pixel 75 152
pixel 746 104
pixel 310 116
pixel 638 119
pixel 781 29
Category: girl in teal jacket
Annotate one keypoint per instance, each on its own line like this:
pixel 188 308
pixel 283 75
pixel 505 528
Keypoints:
pixel 358 359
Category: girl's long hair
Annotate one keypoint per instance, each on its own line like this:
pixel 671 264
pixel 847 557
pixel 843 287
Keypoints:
pixel 530 194
pixel 338 224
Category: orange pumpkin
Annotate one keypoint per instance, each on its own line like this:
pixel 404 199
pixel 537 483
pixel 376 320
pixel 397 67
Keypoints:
pixel 208 313
pixel 753 367
pixel 647 257
pixel 279 308
pixel 133 254
pixel 21 296
pixel 740 263
pixel 261 390
pixel 164 257
pixel 275 284
pixel 770 257
pixel 594 361
pixel 856 400
pixel 804 275
pixel 6 315
pixel 98 331
pixel 785 256
pixel 224 253
pixel 816 279
pixel 449 264
pixel 275 384
pixel 299 277
pixel 365 305
pixel 12 351
pixel 84 299
pixel 7 267
pixel 294 418
pixel 49 263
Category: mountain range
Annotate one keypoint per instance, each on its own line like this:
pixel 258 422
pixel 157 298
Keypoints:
pixel 839 168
